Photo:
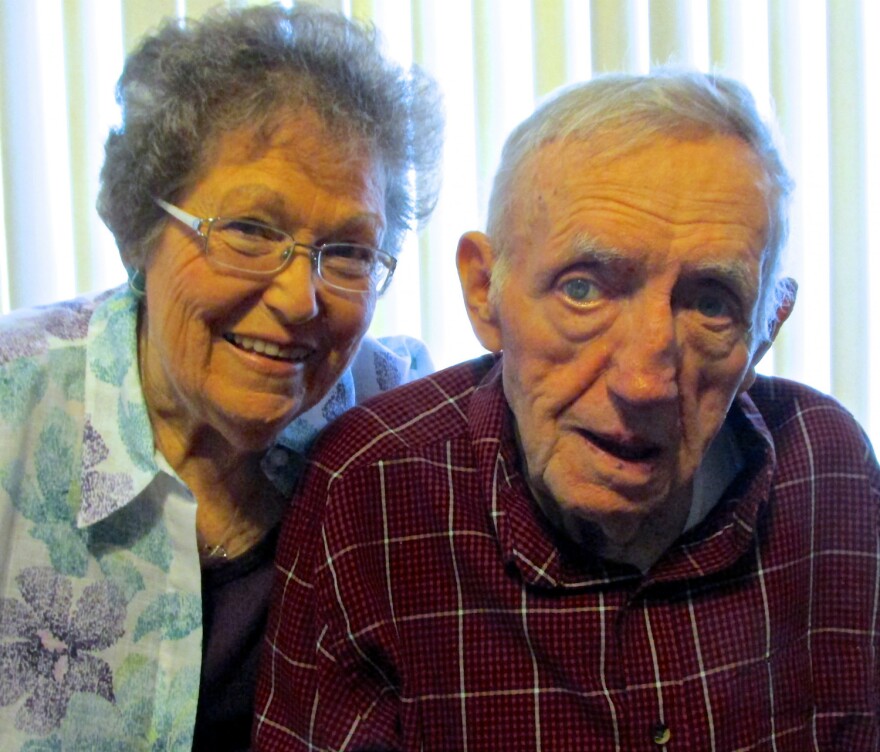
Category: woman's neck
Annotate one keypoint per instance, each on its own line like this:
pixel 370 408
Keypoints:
pixel 237 504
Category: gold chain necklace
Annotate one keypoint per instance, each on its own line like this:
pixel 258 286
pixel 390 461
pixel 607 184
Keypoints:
pixel 218 550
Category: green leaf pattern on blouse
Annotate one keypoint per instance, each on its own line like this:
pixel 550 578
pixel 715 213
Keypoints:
pixel 100 609
pixel 64 666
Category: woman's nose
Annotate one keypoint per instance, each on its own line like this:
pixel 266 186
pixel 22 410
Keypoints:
pixel 292 294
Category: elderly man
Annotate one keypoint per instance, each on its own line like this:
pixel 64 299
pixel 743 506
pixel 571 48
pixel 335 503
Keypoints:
pixel 610 534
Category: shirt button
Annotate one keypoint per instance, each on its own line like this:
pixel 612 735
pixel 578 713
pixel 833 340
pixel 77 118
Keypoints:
pixel 660 734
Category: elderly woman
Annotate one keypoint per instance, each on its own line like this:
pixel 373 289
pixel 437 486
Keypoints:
pixel 268 164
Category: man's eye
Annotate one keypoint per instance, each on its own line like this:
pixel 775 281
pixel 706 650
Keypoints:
pixel 714 303
pixel 712 306
pixel 580 290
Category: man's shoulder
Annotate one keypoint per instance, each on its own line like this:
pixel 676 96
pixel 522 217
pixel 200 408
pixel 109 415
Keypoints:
pixel 807 424
pixel 405 420
pixel 782 401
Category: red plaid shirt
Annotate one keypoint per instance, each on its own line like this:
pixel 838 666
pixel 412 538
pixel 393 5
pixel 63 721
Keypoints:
pixel 422 603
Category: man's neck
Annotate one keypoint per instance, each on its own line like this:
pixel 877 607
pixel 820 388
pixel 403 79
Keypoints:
pixel 640 547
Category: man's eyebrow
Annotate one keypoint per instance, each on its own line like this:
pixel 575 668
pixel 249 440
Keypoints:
pixel 586 249
pixel 735 274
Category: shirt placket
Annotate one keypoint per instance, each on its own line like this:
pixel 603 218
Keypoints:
pixel 654 654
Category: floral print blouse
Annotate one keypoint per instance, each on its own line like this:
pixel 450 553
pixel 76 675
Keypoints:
pixel 100 588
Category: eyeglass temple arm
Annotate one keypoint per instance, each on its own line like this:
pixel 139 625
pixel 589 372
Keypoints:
pixel 188 219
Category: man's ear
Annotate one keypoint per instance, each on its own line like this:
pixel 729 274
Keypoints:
pixel 783 311
pixel 475 260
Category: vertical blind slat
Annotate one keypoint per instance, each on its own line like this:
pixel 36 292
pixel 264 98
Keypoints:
pixel 487 85
pixel 437 30
pixel 35 158
pixel 78 112
pixel 670 32
pixel 849 241
pixel 92 62
pixel 548 40
pixel 785 54
pixel 613 29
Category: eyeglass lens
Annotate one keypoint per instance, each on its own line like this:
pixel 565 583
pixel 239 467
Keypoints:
pixel 255 247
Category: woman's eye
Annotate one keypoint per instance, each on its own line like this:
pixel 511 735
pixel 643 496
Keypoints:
pixel 248 228
pixel 580 290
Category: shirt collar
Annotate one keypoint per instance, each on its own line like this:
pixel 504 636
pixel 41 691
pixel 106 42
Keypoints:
pixel 117 453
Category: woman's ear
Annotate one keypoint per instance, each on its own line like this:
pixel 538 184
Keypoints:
pixel 783 311
pixel 475 260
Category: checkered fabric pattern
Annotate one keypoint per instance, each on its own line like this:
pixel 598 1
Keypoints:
pixel 422 603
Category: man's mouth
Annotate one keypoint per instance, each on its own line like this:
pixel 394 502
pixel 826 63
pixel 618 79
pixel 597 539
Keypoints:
pixel 634 450
pixel 268 349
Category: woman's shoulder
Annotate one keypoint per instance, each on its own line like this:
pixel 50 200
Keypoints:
pixel 27 333
pixel 387 362
pixel 43 355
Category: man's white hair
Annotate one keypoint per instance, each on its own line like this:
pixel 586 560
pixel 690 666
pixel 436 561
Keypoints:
pixel 628 111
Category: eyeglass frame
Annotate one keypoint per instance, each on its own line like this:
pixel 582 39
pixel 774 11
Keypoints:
pixel 195 224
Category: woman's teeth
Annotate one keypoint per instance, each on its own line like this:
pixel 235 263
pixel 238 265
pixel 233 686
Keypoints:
pixel 270 349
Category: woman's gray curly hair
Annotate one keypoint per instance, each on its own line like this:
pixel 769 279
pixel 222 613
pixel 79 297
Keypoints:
pixel 186 85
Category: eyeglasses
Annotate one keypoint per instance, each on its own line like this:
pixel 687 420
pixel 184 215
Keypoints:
pixel 254 248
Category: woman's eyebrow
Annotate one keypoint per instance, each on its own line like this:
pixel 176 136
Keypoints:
pixel 275 203
pixel 369 222
pixel 267 198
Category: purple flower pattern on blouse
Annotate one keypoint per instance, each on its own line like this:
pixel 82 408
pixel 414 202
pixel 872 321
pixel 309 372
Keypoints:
pixel 101 492
pixel 47 652
pixel 67 321
pixel 337 402
pixel 70 321
pixel 388 375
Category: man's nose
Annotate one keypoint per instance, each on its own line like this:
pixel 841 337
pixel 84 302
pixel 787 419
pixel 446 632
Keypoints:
pixel 292 294
pixel 644 362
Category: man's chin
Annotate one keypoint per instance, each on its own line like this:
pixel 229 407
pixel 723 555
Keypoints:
pixel 614 526
pixel 608 521
pixel 591 516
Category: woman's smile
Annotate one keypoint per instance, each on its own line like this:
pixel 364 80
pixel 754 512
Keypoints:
pixel 269 349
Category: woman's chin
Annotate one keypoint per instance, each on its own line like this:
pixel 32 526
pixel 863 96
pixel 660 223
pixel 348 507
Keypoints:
pixel 255 430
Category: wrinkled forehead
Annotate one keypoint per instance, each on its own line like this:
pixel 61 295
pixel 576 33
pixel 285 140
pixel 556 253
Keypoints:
pixel 549 172
pixel 607 145
pixel 320 146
